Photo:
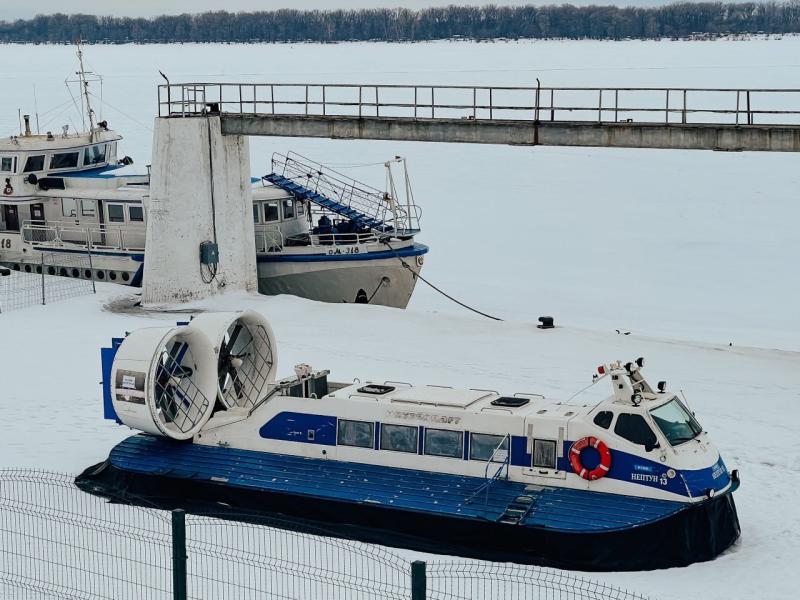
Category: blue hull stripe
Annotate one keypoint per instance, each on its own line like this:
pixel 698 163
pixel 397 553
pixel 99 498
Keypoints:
pixel 415 250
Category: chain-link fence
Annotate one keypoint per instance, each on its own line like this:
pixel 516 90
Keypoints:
pixel 52 277
pixel 59 542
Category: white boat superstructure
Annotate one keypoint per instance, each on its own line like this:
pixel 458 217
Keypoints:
pixel 323 236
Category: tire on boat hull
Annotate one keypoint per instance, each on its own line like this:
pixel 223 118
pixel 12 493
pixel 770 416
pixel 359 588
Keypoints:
pixel 700 532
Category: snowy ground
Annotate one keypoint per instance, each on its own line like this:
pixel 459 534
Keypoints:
pixel 691 251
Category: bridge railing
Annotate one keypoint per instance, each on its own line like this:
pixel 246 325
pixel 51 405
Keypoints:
pixel 759 106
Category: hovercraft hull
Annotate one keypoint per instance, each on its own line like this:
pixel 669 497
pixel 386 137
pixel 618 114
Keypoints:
pixel 431 512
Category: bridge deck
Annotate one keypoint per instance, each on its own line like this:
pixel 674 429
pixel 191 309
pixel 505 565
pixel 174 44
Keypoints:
pixel 690 118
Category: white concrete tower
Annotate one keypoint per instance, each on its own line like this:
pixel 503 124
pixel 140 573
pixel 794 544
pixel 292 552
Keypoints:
pixel 200 191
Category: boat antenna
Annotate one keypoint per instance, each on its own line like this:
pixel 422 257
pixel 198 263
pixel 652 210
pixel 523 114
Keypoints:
pixel 85 89
pixel 36 109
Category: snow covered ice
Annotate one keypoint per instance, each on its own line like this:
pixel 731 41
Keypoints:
pixel 694 253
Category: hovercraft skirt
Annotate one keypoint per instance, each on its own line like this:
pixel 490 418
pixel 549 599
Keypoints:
pixel 429 512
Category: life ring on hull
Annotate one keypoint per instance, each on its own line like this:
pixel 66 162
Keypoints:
pixel 600 470
pixel 8 190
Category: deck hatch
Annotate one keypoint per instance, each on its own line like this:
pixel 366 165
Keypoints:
pixel 510 401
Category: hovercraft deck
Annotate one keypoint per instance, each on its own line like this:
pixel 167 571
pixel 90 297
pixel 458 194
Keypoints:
pixel 434 512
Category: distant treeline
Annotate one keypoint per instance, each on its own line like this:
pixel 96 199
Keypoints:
pixel 403 25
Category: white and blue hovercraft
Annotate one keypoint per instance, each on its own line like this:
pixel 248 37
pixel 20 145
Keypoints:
pixel 630 483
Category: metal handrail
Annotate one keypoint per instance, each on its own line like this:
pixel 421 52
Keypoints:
pixel 504 464
pixel 530 103
pixel 271 238
pixel 57 229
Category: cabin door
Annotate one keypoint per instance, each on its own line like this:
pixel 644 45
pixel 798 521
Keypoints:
pixel 11 217
pixel 37 214
pixel 545 446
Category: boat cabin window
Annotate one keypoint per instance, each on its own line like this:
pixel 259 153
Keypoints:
pixel 271 212
pixel 544 454
pixel 483 445
pixel 64 160
pixel 69 207
pixel 603 419
pixel 288 209
pixel 136 214
pixel 256 213
pixel 299 208
pixel 94 155
pixel 441 442
pixel 7 164
pixel 88 208
pixel 116 213
pixel 676 423
pixel 635 429
pixel 34 163
pixel 355 433
pixel 399 438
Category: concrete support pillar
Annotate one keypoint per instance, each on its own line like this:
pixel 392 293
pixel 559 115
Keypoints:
pixel 200 191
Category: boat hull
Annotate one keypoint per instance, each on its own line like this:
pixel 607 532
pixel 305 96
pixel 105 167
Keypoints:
pixel 342 278
pixel 166 474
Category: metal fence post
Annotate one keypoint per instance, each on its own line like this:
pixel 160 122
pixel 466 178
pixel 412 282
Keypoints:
pixel 419 580
pixel 179 554
pixel 44 300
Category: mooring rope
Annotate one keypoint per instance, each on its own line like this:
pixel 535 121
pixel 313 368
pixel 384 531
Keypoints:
pixel 442 292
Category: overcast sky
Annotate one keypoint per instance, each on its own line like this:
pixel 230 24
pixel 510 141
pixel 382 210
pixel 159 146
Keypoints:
pixel 11 9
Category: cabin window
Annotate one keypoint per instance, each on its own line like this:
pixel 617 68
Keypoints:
pixel 288 209
pixel 34 163
pixel 256 213
pixel 441 442
pixel 544 454
pixel 94 155
pixel 7 164
pixel 483 445
pixel 399 438
pixel 271 212
pixel 355 433
pixel 676 423
pixel 299 208
pixel 603 419
pixel 88 208
pixel 69 207
pixel 136 214
pixel 112 151
pixel 635 429
pixel 116 214
pixel 64 160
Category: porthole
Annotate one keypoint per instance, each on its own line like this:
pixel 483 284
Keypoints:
pixel 125 276
pixel 27 268
pixel 112 275
pixel 51 270
pixel 76 273
pixel 101 275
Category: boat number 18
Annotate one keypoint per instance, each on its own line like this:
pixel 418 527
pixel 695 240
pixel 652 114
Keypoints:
pixel 5 243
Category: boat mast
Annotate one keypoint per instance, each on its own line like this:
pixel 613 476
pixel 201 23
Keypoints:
pixel 85 89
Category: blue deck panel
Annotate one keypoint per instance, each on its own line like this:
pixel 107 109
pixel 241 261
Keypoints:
pixel 421 491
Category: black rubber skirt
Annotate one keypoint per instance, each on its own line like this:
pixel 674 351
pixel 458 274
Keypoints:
pixel 700 532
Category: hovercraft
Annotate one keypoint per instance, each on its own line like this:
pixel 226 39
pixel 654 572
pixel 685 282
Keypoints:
pixel 630 483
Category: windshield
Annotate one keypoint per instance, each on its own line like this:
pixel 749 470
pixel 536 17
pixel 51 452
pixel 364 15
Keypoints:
pixel 677 424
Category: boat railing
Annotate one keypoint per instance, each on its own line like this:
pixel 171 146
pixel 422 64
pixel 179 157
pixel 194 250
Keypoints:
pixel 56 234
pixel 269 238
pixel 498 455
pixel 343 239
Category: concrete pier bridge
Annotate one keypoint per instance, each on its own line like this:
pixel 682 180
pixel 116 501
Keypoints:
pixel 669 118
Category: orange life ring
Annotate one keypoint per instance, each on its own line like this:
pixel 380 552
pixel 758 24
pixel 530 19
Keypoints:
pixel 8 190
pixel 575 458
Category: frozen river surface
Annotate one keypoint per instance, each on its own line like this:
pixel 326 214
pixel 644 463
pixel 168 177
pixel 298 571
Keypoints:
pixel 695 253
